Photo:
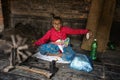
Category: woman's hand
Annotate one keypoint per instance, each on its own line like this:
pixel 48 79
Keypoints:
pixel 89 34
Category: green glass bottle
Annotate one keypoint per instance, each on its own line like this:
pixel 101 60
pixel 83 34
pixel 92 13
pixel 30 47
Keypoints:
pixel 93 52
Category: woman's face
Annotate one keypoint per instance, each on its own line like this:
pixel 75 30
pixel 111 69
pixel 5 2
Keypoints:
pixel 56 24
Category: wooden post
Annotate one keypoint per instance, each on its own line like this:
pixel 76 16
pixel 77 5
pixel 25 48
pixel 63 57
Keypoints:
pixel 103 30
pixel 1 18
pixel 93 21
pixel 99 22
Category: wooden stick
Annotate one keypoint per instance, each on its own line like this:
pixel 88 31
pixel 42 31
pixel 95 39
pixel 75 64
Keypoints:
pixel 12 62
pixel 18 58
pixel 36 70
pixel 22 54
pixel 19 40
pixel 24 40
pixel 10 59
pixel 23 47
pixel 8 68
pixel 13 41
pixel 28 53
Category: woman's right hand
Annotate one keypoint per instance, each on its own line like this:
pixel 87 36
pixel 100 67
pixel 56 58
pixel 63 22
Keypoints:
pixel 89 34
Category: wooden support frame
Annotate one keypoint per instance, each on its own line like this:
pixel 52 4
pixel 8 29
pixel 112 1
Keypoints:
pixel 15 59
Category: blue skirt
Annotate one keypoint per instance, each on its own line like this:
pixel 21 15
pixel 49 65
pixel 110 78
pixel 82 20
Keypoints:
pixel 50 48
pixel 78 62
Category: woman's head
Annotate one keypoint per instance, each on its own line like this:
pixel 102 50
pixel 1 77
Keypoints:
pixel 57 23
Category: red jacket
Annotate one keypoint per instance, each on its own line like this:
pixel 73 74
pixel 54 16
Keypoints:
pixel 54 35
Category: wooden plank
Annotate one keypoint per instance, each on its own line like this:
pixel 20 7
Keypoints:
pixel 36 70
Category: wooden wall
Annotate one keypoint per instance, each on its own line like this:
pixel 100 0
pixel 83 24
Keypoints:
pixel 1 18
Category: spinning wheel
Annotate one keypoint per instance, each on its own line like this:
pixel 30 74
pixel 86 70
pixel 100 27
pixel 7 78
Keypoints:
pixel 18 51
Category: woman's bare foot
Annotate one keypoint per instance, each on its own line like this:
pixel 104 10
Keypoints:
pixel 59 54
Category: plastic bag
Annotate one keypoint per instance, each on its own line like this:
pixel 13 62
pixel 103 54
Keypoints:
pixel 81 62
pixel 68 54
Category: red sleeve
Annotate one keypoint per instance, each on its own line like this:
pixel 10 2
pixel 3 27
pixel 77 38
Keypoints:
pixel 43 40
pixel 69 30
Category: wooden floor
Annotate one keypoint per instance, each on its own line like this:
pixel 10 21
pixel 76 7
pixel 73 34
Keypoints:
pixel 106 67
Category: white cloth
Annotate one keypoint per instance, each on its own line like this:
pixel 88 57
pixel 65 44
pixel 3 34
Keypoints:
pixel 50 58
pixel 61 47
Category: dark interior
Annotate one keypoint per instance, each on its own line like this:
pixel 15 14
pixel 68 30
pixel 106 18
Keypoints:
pixel 32 18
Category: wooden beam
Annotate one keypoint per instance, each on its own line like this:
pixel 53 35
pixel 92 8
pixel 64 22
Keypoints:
pixel 36 70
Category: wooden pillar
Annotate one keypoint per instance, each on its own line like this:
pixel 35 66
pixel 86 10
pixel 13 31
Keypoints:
pixel 93 21
pixel 103 30
pixel 1 18
pixel 99 22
